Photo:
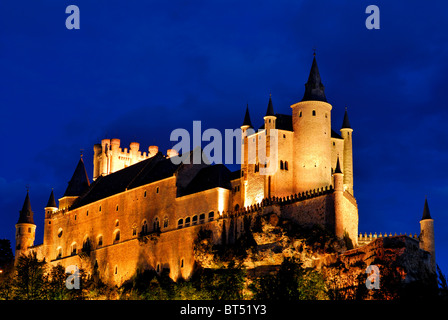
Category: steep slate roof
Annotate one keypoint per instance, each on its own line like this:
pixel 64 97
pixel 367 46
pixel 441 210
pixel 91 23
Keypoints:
pixel 208 178
pixel 141 173
pixel 270 110
pixel 314 89
pixel 346 123
pixel 247 121
pixel 51 201
pixel 26 214
pixel 426 214
pixel 79 182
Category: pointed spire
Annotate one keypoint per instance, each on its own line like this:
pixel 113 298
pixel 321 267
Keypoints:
pixel 314 89
pixel 426 214
pixel 346 123
pixel 51 201
pixel 26 214
pixel 79 182
pixel 246 121
pixel 338 167
pixel 270 110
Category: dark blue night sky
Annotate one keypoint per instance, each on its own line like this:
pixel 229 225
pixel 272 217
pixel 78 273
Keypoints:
pixel 136 70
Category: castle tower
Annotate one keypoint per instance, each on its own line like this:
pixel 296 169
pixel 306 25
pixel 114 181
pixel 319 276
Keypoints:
pixel 25 228
pixel 427 234
pixel 77 185
pixel 269 124
pixel 247 124
pixel 50 208
pixel 312 136
pixel 347 134
pixel 338 201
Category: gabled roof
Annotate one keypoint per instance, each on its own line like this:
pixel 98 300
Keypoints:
pixel 26 214
pixel 210 177
pixel 283 122
pixel 314 89
pixel 79 182
pixel 139 174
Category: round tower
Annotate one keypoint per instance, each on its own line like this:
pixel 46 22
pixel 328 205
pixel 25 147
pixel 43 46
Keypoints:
pixel 338 201
pixel 50 208
pixel 245 127
pixel 311 120
pixel 271 160
pixel 347 134
pixel 25 228
pixel 427 234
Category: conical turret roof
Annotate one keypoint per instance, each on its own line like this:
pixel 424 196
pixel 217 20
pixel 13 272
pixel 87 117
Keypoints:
pixel 26 214
pixel 270 110
pixel 247 121
pixel 51 201
pixel 314 89
pixel 79 182
pixel 426 214
pixel 346 123
pixel 338 167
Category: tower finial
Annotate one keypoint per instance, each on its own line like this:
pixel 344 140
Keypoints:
pixel 81 152
pixel 314 51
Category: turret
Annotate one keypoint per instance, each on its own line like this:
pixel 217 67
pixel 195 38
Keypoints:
pixel 338 200
pixel 347 134
pixel 427 234
pixel 50 208
pixel 25 228
pixel 312 136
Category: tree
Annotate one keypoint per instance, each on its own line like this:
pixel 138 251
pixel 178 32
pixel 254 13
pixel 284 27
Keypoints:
pixel 30 279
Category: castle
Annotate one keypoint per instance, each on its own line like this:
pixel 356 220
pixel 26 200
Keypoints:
pixel 144 210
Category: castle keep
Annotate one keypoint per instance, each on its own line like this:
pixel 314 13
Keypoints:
pixel 144 211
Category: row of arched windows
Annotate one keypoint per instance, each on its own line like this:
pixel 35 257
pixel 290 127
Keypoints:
pixel 191 221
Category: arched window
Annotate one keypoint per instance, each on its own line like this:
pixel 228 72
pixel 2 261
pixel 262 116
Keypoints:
pixel 300 114
pixel 117 223
pixel 187 221
pixel 281 164
pixel 73 248
pixel 194 221
pixel 99 240
pixel 86 245
pixel 117 236
pixel 202 218
pixel 165 222
pixel 286 165
pixel 144 227
pixel 59 253
pixel 314 112
pixel 156 224
pixel 211 216
pixel 180 223
pixel 237 207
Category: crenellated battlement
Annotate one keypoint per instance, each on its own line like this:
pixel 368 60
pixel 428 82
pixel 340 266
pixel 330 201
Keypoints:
pixel 367 238
pixel 297 197
pixel 109 157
